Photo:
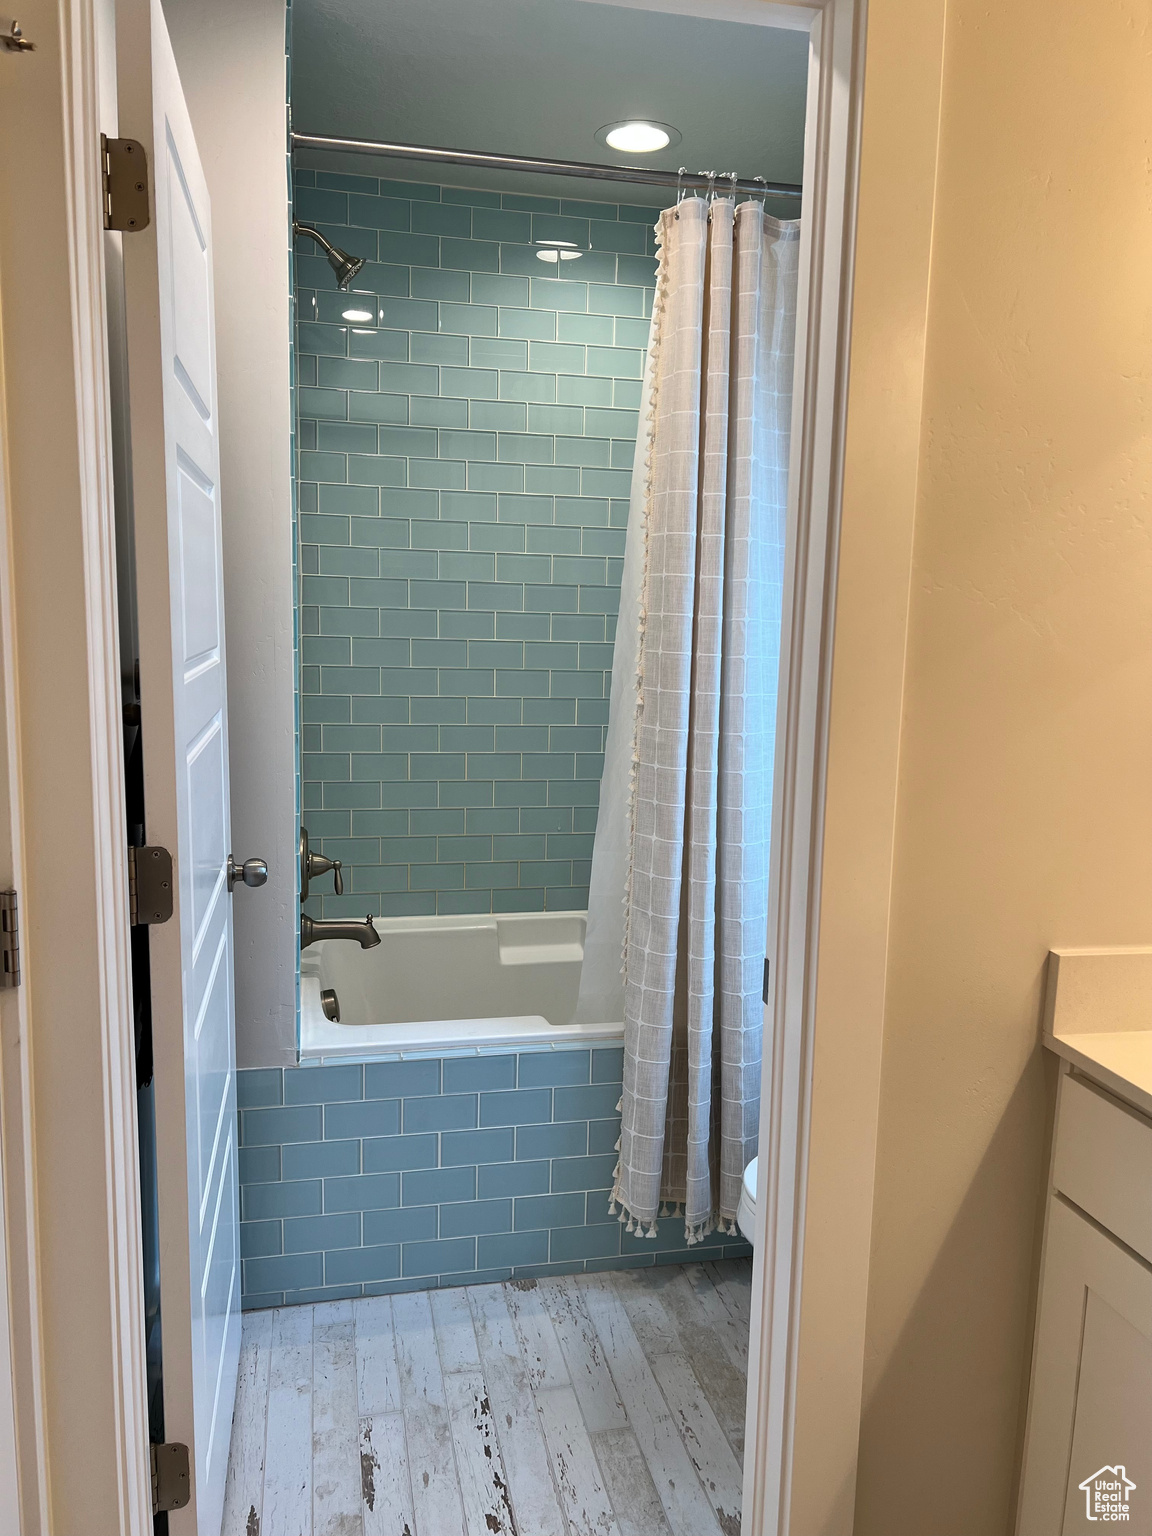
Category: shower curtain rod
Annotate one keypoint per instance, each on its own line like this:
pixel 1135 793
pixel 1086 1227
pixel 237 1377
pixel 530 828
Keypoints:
pixel 694 181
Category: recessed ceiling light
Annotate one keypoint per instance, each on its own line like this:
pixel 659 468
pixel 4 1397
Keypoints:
pixel 638 136
pixel 358 316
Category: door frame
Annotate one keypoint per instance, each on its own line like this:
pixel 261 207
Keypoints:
pixel 21 1388
pixel 789 1387
pixel 865 261
pixel 70 1149
pixel 791 1394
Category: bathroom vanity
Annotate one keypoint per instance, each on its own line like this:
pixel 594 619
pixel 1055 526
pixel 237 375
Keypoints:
pixel 1088 1442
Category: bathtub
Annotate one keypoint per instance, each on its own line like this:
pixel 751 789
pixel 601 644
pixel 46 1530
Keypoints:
pixel 435 985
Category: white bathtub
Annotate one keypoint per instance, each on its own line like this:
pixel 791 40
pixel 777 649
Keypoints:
pixel 435 985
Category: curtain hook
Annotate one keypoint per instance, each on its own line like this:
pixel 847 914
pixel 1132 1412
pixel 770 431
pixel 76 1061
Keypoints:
pixel 730 177
pixel 681 189
pixel 763 189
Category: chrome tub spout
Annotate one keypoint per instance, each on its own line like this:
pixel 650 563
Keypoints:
pixel 313 929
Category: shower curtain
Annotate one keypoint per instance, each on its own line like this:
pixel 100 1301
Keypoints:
pixel 679 885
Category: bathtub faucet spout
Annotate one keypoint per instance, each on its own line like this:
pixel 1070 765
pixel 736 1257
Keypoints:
pixel 313 929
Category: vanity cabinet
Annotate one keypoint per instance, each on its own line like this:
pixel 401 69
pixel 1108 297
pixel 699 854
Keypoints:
pixel 1088 1443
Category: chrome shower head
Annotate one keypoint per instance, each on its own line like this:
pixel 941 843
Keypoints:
pixel 345 267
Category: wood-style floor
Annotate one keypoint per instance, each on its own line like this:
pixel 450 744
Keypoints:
pixel 590 1405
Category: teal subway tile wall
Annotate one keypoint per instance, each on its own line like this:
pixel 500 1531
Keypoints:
pixel 359 1179
pixel 465 460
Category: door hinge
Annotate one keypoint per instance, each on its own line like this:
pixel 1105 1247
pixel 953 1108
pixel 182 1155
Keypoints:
pixel 124 177
pixel 149 886
pixel 171 1476
pixel 9 940
pixel 15 41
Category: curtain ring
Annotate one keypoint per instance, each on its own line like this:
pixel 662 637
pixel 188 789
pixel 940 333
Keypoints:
pixel 731 177
pixel 763 191
pixel 711 175
pixel 681 189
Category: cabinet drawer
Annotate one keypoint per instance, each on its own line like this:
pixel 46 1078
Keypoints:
pixel 1103 1162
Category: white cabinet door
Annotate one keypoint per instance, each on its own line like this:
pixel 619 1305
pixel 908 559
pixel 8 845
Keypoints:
pixel 1088 1450
pixel 179 582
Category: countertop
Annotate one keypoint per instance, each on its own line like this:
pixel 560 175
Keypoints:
pixel 1098 1016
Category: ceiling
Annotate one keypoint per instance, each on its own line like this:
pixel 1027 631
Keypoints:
pixel 539 77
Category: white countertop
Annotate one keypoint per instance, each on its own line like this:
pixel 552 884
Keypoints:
pixel 1098 1016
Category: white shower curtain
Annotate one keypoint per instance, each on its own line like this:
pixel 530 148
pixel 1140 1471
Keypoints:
pixel 679 884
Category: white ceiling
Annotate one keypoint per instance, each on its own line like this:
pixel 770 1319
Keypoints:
pixel 539 77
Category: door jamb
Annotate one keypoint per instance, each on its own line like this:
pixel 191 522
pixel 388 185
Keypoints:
pixel 69 1069
pixel 831 154
pixel 23 1455
pixel 781 1384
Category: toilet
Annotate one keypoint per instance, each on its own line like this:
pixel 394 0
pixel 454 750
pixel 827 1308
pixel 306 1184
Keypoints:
pixel 746 1210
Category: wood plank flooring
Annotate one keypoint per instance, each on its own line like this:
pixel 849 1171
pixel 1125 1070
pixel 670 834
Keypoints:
pixel 590 1405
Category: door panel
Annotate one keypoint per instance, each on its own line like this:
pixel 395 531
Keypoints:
pixel 1091 1377
pixel 176 492
pixel 1113 1422
pixel 213 1074
pixel 199 560
pixel 207 792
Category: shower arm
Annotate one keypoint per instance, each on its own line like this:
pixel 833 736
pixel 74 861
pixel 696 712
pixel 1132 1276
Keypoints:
pixel 299 228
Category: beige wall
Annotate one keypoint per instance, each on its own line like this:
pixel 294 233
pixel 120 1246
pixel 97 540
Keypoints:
pixel 1024 804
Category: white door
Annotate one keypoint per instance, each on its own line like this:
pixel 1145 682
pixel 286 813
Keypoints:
pixel 180 601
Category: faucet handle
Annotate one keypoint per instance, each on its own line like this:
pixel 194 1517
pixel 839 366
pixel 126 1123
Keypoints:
pixel 319 864
pixel 313 864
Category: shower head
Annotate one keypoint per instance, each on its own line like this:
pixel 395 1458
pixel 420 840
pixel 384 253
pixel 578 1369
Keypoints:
pixel 344 266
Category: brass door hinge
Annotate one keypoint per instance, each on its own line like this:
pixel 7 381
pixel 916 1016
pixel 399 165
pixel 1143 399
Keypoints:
pixel 9 940
pixel 124 176
pixel 15 41
pixel 171 1476
pixel 149 885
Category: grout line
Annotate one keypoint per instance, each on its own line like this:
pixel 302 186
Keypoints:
pixel 475 295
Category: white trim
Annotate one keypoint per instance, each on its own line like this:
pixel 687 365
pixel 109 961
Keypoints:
pixel 80 1320
pixel 831 152
pixel 10 1518
pixel 776 1387
pixel 22 1426
pixel 783 1383
pixel 114 975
